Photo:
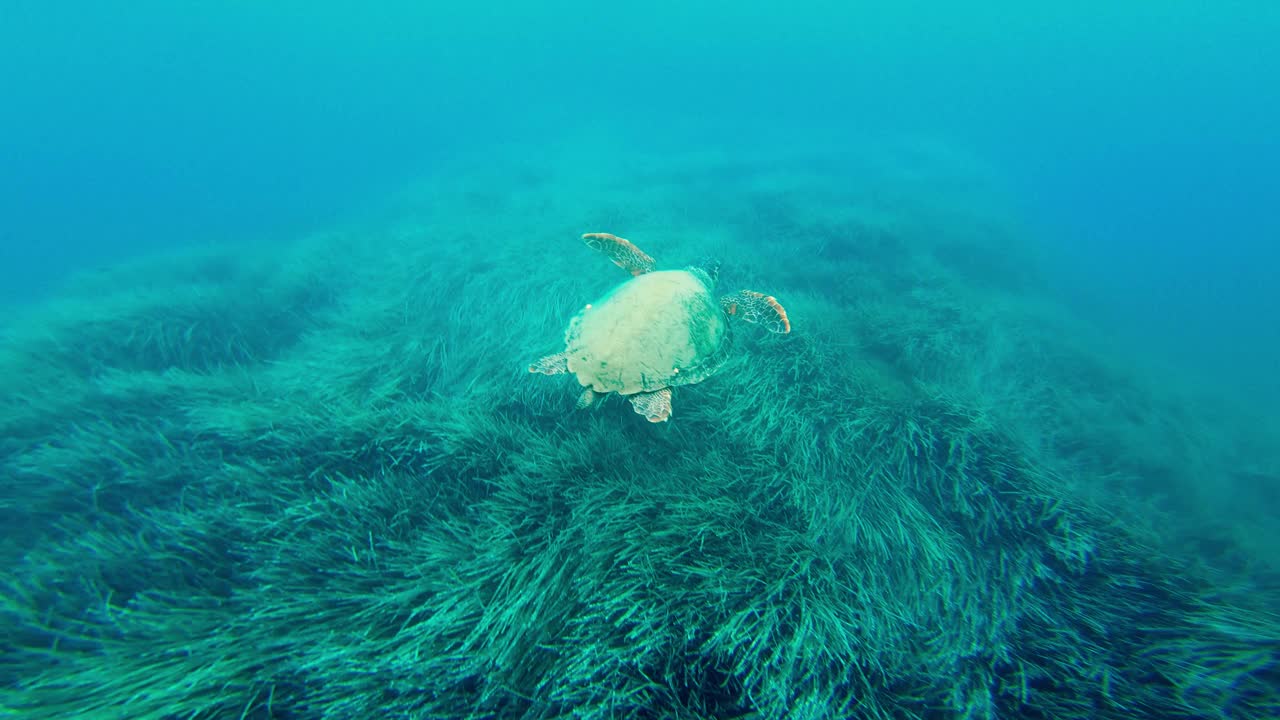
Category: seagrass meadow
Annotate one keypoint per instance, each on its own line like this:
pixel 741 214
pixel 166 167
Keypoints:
pixel 316 480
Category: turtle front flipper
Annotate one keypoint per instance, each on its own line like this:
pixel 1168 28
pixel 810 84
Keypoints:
pixel 557 364
pixel 655 406
pixel 757 307
pixel 622 252
pixel 586 399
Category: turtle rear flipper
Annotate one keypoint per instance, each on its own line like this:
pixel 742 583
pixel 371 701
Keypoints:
pixel 557 364
pixel 622 252
pixel 759 308
pixel 655 406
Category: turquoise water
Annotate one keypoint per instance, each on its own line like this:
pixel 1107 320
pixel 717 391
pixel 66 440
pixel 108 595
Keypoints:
pixel 274 272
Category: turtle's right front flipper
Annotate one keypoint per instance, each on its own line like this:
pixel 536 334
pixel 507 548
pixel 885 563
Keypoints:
pixel 759 308
pixel 622 252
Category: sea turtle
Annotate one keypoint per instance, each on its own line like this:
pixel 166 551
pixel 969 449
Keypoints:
pixel 660 329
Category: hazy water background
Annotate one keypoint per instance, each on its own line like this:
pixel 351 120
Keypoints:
pixel 1139 137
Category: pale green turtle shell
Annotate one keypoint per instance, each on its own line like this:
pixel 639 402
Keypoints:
pixel 660 329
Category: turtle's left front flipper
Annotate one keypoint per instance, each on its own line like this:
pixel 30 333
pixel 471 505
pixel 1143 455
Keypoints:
pixel 557 364
pixel 759 308
pixel 622 252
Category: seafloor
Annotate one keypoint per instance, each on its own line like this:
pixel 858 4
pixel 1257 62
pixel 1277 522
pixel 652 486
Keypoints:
pixel 317 481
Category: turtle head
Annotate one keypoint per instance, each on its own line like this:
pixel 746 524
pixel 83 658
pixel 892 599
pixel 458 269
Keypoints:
pixel 708 270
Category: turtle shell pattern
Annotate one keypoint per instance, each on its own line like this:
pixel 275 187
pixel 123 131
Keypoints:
pixel 659 329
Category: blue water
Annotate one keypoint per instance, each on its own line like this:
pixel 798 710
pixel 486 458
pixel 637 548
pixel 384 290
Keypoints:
pixel 1140 138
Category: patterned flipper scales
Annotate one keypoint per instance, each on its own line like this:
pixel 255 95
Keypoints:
pixel 759 308
pixel 622 252
pixel 551 365
pixel 655 406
